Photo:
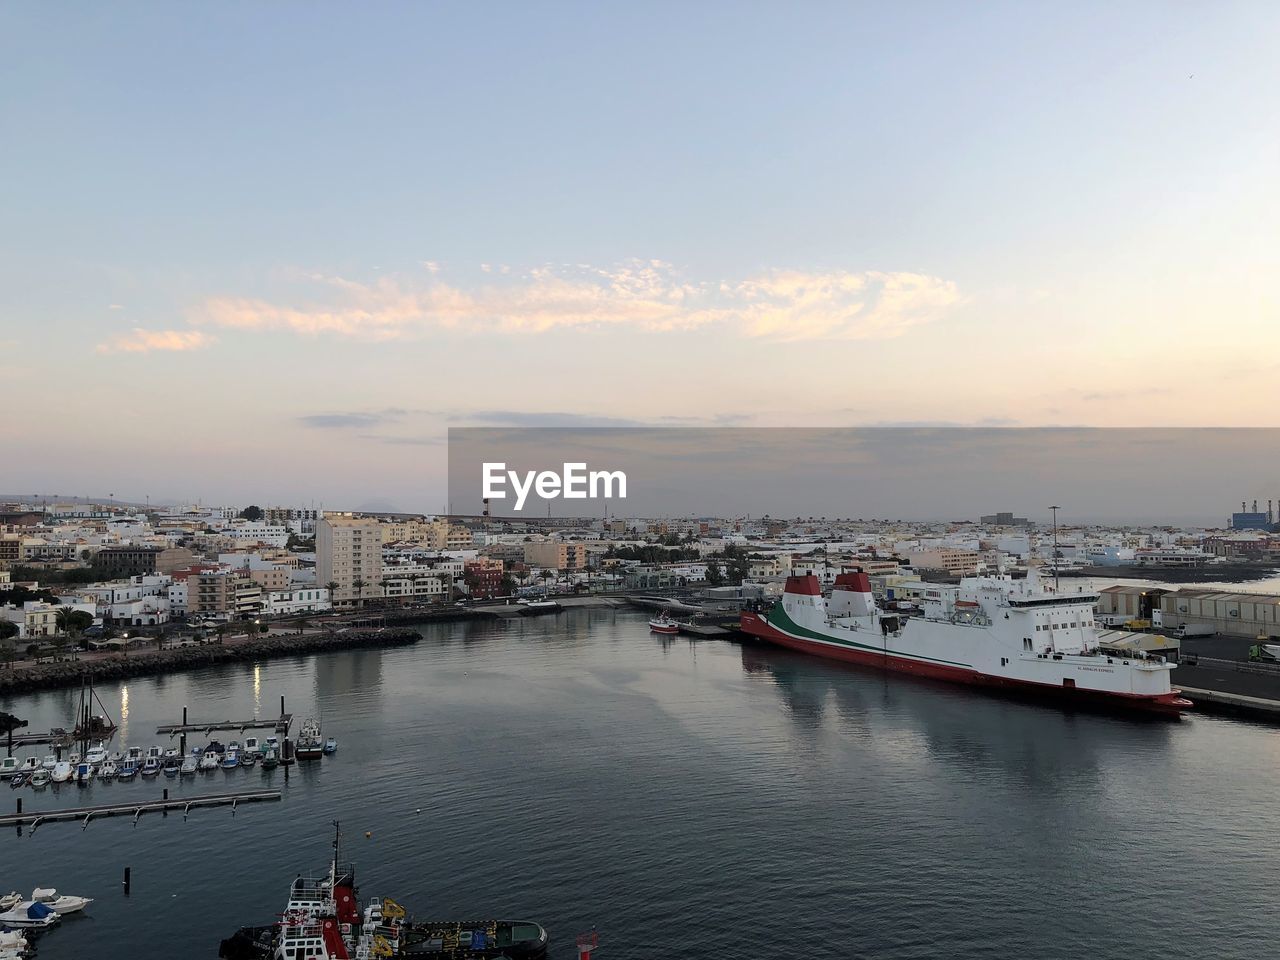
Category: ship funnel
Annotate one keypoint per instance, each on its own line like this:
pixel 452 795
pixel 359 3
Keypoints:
pixel 803 586
pixel 851 596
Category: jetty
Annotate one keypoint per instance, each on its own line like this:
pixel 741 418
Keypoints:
pixel 135 808
pixel 280 724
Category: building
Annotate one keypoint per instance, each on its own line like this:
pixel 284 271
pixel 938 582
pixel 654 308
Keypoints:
pixel 556 555
pixel 349 557
pixel 483 577
pixel 224 594
pixel 953 562
pixel 1240 614
pixel 113 562
pixel 299 600
pixel 1005 520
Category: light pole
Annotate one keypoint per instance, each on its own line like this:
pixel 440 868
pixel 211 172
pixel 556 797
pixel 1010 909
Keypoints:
pixel 1055 508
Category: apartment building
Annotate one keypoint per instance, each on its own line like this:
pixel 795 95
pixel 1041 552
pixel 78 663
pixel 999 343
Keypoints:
pixel 349 556
pixel 556 555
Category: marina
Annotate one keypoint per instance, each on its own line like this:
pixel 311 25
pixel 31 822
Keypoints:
pixel 687 760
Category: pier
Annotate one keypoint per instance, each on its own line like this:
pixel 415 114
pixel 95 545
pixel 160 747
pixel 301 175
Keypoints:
pixel 136 808
pixel 280 724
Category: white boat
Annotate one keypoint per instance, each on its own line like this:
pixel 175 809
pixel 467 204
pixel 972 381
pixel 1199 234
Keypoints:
pixel 108 770
pixel 252 745
pixel 10 900
pixel 62 772
pixel 310 745
pixel 9 766
pixel 96 755
pixel 29 913
pixel 172 753
pixel 134 754
pixel 231 759
pixel 62 905
pixel 50 761
pixel 116 757
pixel 85 771
pixel 12 942
pixel 208 761
pixel 40 778
pixel 30 765
pixel 153 751
pixel 189 766
pixel 151 767
pixel 128 769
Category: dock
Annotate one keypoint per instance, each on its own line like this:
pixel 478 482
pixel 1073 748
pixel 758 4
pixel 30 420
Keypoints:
pixel 280 724
pixel 706 630
pixel 1230 686
pixel 136 809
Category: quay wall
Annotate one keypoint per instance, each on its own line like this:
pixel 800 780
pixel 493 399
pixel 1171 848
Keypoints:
pixel 71 673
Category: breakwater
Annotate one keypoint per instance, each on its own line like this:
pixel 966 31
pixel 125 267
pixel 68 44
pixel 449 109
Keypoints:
pixel 71 673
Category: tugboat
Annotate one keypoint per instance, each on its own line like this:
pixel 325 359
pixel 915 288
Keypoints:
pixel 324 921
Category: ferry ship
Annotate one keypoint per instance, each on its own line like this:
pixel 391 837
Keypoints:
pixel 990 631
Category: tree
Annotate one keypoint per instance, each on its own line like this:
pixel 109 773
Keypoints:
pixel 508 585
pixel 715 577
pixel 358 586
pixel 332 587
pixel 252 513
pixel 8 649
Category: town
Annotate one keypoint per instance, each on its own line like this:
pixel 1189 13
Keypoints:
pixel 92 576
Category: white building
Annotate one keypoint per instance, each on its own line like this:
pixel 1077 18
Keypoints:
pixel 299 600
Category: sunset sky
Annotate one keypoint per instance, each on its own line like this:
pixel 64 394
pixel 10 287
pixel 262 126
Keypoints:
pixel 273 252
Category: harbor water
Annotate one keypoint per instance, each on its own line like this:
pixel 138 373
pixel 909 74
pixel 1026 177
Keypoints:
pixel 688 798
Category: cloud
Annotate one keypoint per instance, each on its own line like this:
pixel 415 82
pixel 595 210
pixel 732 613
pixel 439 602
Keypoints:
pixel 145 341
pixel 346 421
pixel 650 295
pixel 115 306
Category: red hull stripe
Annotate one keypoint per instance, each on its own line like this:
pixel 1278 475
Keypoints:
pixel 757 626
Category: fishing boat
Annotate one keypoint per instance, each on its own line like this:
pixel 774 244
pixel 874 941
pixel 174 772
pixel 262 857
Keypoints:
pixel 189 767
pixel 170 767
pixel 231 759
pixel 108 770
pixel 153 752
pixel 29 914
pixel 62 772
pixel 310 746
pixel 248 758
pixel 9 766
pixel 84 772
pixel 134 754
pixel 330 746
pixel 209 761
pixel 128 770
pixel 663 623
pixel 150 767
pixel 40 778
pixel 30 765
pixel 62 905
pixel 269 760
pixel 251 746
pixel 990 631
pixel 324 920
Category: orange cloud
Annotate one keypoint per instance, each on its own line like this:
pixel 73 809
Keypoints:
pixel 648 295
pixel 145 341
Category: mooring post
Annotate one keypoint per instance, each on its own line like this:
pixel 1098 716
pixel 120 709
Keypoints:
pixel 166 790
pixel 126 881
pixel 282 704
pixel 19 804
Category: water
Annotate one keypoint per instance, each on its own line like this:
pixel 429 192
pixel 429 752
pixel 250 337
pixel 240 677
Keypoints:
pixel 692 799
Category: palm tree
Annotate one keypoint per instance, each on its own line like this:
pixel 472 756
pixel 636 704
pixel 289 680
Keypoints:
pixel 358 586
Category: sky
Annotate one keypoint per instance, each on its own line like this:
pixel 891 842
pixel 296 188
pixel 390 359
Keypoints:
pixel 271 253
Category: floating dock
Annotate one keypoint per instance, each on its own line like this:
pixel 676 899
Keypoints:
pixel 137 808
pixel 280 724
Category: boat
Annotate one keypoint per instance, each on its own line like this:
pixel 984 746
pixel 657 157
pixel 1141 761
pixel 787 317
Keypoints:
pixel 128 770
pixel 30 765
pixel 116 756
pixel 134 754
pixel 31 914
pixel 209 761
pixel 663 623
pixel 50 761
pixel 990 631
pixel 13 943
pixel 172 753
pixel 40 778
pixel 9 766
pixel 150 767
pixel 170 767
pixel 62 905
pixel 330 746
pixel 10 900
pixel 189 767
pixel 247 758
pixel 324 920
pixel 18 780
pixel 153 752
pixel 532 608
pixel 108 770
pixel 84 772
pixel 251 746
pixel 310 746
pixel 231 759
pixel 96 754
pixel 269 760
pixel 62 772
